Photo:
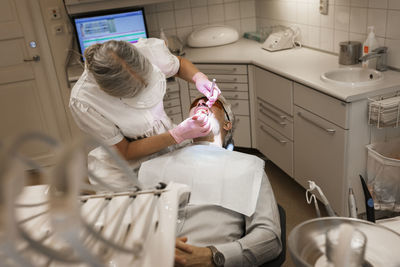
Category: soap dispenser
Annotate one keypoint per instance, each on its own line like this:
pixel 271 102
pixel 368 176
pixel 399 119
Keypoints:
pixel 370 44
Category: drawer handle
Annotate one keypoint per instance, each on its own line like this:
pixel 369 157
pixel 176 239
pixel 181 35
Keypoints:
pixel 235 105
pixel 273 136
pixel 233 97
pixel 229 88
pixel 331 131
pixel 227 80
pixel 283 117
pixel 272 118
pixel 219 70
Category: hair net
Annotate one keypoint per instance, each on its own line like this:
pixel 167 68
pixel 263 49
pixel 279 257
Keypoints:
pixel 118 68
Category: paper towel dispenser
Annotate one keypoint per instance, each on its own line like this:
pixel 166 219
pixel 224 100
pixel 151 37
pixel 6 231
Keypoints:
pixel 212 35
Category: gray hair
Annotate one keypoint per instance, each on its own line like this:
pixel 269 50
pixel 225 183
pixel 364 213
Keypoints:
pixel 118 68
pixel 229 116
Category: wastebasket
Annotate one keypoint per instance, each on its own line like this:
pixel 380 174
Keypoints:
pixel 383 174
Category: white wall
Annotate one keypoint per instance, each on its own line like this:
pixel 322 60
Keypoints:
pixel 346 20
pixel 181 17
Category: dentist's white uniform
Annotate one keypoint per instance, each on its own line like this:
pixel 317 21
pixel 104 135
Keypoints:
pixel 110 118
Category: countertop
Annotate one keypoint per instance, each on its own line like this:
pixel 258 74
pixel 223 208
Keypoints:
pixel 302 65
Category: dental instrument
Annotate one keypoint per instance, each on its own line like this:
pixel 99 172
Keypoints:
pixel 310 198
pixel 369 201
pixel 212 92
pixel 312 185
pixel 352 204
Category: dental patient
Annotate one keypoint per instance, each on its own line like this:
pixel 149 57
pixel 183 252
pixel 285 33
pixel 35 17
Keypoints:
pixel 232 217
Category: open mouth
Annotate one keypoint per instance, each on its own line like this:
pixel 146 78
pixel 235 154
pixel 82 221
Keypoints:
pixel 202 110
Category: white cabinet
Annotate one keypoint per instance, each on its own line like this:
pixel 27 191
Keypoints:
pixel 305 133
pixel 274 122
pixel 233 82
pixel 172 102
pixel 320 143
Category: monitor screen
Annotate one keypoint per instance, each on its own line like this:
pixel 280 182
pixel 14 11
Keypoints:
pixel 98 27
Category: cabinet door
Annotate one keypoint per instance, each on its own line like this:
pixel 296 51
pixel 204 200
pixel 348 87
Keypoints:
pixel 319 155
pixel 274 89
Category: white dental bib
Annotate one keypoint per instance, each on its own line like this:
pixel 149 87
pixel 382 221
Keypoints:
pixel 215 175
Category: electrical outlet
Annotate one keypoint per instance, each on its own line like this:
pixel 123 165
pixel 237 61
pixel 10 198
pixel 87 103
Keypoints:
pixel 58 29
pixel 55 13
pixel 323 7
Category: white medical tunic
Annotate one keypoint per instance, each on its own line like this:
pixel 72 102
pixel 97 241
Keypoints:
pixel 110 118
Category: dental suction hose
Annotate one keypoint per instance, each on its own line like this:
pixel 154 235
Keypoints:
pixel 312 185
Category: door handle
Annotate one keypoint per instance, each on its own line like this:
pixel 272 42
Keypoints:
pixel 35 58
pixel 273 136
pixel 329 130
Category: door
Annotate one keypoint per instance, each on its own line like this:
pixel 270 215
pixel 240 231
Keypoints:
pixel 26 103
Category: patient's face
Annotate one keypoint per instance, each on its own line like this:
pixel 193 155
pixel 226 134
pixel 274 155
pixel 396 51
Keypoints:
pixel 215 114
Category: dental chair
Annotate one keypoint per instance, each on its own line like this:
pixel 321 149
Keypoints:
pixel 278 261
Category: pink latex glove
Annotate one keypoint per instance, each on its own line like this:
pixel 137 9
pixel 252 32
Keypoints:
pixel 204 87
pixel 193 127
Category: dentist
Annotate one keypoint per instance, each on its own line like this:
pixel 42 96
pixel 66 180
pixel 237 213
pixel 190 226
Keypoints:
pixel 119 100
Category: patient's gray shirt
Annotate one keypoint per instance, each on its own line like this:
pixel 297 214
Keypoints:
pixel 244 241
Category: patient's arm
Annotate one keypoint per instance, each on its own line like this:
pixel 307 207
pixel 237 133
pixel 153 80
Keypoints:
pixel 261 241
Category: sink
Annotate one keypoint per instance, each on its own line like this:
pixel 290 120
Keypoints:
pixel 353 77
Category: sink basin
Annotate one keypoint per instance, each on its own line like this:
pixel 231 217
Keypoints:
pixel 353 77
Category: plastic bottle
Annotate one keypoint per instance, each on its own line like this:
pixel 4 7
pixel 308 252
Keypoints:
pixel 163 36
pixel 370 44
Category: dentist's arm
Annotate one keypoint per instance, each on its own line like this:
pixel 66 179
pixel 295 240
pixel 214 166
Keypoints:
pixel 190 73
pixel 193 127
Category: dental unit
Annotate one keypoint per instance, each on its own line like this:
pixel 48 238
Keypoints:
pixel 55 225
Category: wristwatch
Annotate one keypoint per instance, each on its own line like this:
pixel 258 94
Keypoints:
pixel 217 257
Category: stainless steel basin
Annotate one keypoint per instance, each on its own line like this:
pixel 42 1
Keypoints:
pixel 354 77
pixel 307 242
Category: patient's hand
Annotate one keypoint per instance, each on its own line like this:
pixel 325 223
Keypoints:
pixel 188 255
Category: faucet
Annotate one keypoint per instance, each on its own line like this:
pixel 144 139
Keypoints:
pixel 381 54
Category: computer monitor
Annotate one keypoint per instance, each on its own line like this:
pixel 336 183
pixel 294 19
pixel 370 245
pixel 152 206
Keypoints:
pixel 127 24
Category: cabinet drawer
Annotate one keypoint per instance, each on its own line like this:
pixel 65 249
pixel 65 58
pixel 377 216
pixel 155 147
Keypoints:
pixel 172 95
pixel 173 111
pixel 172 103
pixel 220 78
pixel 172 87
pixel 274 89
pixel 227 94
pixel 275 118
pixel 177 118
pixel 227 87
pixel 222 69
pixel 325 106
pixel 241 135
pixel 319 155
pixel 276 147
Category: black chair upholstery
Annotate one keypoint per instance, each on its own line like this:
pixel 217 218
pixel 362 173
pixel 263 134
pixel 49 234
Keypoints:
pixel 278 261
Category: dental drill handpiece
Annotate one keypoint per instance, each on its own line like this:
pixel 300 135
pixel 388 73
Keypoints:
pixel 212 91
